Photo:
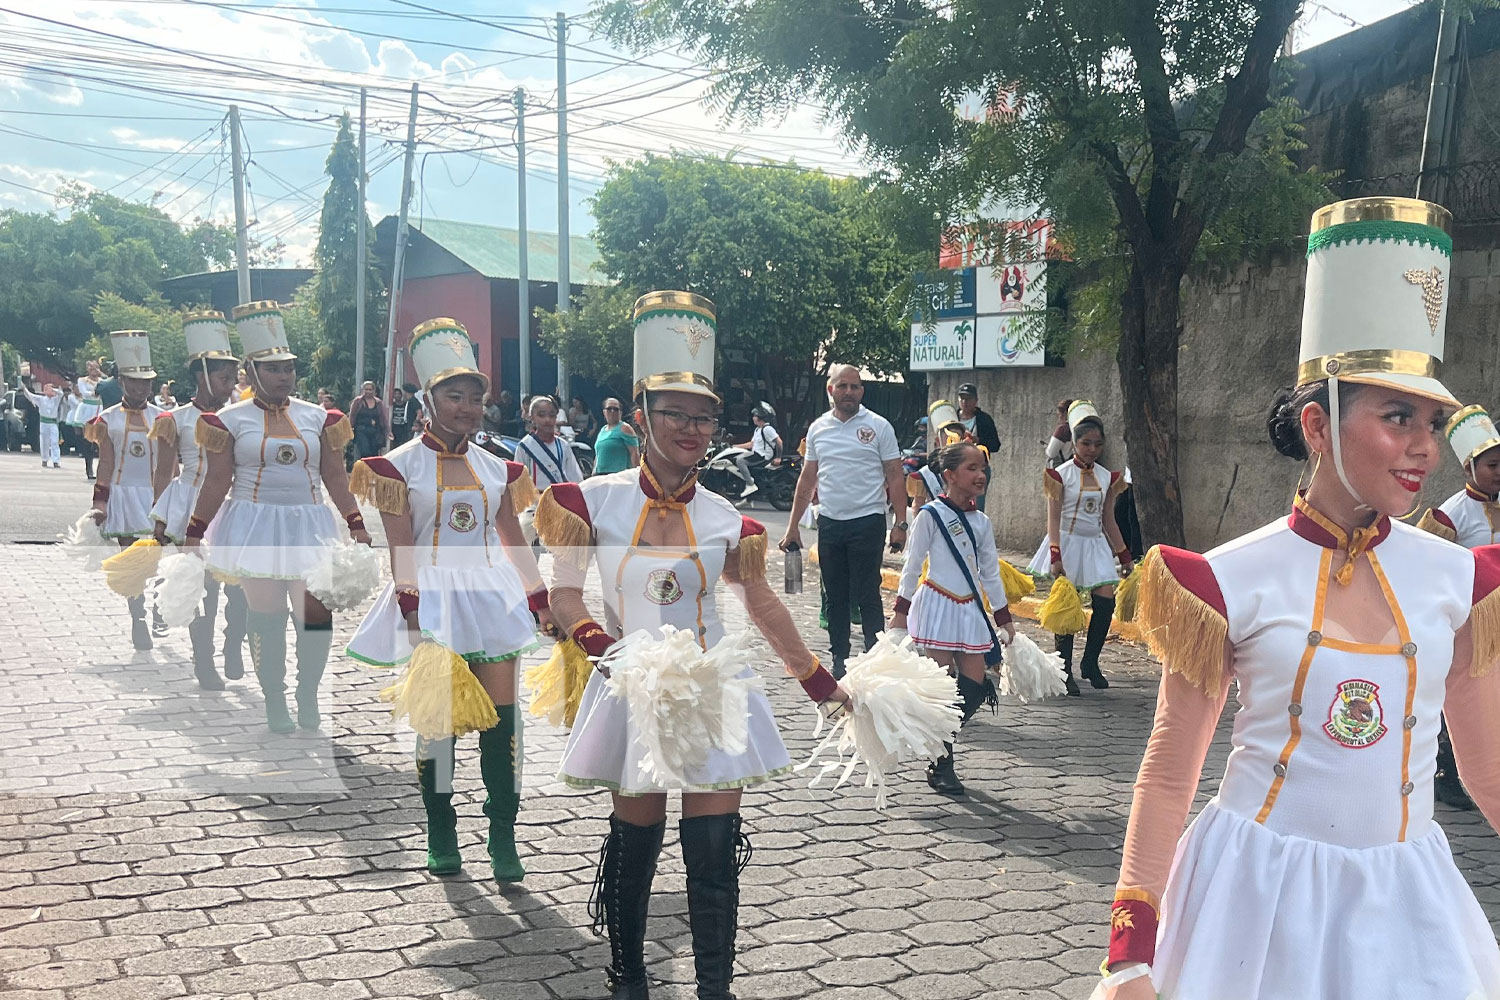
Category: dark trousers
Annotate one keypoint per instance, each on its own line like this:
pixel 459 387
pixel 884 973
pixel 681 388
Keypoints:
pixel 1128 523
pixel 400 434
pixel 367 441
pixel 849 554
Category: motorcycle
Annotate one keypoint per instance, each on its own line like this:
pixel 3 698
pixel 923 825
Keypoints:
pixel 505 446
pixel 773 482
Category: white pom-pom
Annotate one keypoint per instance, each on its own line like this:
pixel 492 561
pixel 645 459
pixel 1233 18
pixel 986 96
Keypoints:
pixel 1030 674
pixel 177 592
pixel 684 703
pixel 901 707
pixel 85 543
pixel 346 576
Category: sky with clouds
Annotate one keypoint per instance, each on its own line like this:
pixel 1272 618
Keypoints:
pixel 129 96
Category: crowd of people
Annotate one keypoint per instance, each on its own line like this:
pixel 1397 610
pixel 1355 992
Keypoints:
pixel 1361 649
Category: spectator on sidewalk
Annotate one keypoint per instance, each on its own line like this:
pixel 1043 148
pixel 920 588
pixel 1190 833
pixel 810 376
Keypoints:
pixel 372 426
pixel 404 411
pixel 545 454
pixel 980 428
pixel 616 448
pixel 581 420
pixel 1060 448
pixel 854 464
pixel 494 417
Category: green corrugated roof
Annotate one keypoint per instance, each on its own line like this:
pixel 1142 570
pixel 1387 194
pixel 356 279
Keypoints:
pixel 494 251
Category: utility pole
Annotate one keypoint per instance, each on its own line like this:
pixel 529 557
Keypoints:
pixel 241 228
pixel 361 252
pixel 564 246
pixel 398 261
pixel 523 288
pixel 1432 182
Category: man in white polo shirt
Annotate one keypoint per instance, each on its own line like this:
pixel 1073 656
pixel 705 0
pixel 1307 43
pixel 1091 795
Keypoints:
pixel 854 463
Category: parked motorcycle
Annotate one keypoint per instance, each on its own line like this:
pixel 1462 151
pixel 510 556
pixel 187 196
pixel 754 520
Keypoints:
pixel 504 446
pixel 719 471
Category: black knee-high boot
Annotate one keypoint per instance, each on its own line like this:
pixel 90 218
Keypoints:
pixel 621 899
pixel 714 852
pixel 235 610
pixel 140 632
pixel 201 635
pixel 1064 646
pixel 972 696
pixel 435 777
pixel 314 639
pixel 1103 612
pixel 267 630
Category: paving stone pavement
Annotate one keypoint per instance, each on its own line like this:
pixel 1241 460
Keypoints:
pixel 156 842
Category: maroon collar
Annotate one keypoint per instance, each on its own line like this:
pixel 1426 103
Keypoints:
pixel 201 408
pixel 1476 495
pixel 654 490
pixel 962 509
pixel 437 444
pixel 1312 524
pixel 272 409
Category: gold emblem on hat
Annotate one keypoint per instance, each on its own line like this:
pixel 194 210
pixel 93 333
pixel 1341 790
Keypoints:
pixel 1431 282
pixel 695 333
pixel 459 345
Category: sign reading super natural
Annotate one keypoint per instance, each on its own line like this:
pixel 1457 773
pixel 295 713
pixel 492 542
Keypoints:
pixel 943 345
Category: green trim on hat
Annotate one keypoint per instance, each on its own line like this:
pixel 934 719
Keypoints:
pixel 1380 231
pixel 678 312
pixel 1454 425
pixel 442 329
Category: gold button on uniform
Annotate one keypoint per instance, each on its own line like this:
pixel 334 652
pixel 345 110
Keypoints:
pixel 1410 722
pixel 1410 649
pixel 1407 788
pixel 1314 637
pixel 1294 709
pixel 1279 770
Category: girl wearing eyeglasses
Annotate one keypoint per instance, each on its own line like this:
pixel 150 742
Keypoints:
pixel 663 546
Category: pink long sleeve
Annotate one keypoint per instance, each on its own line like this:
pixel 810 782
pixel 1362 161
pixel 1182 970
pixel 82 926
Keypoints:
pixel 774 621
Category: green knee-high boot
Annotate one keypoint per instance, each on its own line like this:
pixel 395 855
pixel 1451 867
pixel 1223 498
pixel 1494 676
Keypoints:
pixel 267 631
pixel 500 757
pixel 435 776
pixel 313 642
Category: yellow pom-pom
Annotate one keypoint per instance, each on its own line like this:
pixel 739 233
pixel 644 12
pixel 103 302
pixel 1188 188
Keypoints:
pixel 557 685
pixel 1062 612
pixel 439 695
pixel 1125 595
pixel 127 573
pixel 1017 584
pixel 224 578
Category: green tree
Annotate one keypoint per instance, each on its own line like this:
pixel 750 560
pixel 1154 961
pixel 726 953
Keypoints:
pixel 796 262
pixel 1149 130
pixel 334 289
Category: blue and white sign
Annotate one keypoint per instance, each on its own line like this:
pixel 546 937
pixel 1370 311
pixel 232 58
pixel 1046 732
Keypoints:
pixel 946 295
pixel 1009 341
pixel 947 344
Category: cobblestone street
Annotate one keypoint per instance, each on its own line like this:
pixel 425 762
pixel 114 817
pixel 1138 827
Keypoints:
pixel 156 842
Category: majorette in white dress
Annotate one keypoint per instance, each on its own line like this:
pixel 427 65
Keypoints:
pixel 645 589
pixel 1317 869
pixel 473 600
pixel 945 613
pixel 1468 517
pixel 175 505
pixel 128 514
pixel 1085 495
pixel 274 523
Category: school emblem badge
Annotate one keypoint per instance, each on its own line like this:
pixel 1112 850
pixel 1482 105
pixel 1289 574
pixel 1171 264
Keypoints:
pixel 137 449
pixel 1090 504
pixel 866 435
pixel 1356 718
pixel 662 587
pixel 286 455
pixel 461 517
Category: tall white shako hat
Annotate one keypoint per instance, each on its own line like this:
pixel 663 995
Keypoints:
pixel 944 420
pixel 1081 410
pixel 1471 432
pixel 1376 306
pixel 207 336
pixel 676 334
pixel 132 349
pixel 441 349
pixel 262 332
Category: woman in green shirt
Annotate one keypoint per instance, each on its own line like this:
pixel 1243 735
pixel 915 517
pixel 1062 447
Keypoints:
pixel 616 447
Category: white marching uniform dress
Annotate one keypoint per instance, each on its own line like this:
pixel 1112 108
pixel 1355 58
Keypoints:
pixel 175 505
pixel 128 511
pixel 86 405
pixel 274 523
pixel 1471 517
pixel 1086 555
pixel 943 613
pixel 643 590
pixel 473 600
pixel 1318 870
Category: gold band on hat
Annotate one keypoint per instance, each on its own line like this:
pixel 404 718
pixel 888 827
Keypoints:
pixel 250 309
pixel 673 301
pixel 1460 417
pixel 673 380
pixel 265 354
pixel 1383 209
pixel 129 333
pixel 450 373
pixel 440 323
pixel 1382 362
pixel 202 314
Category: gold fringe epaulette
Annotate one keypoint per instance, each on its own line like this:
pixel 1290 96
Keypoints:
pixel 164 428
pixel 1484 627
pixel 916 489
pixel 211 438
pixel 1052 487
pixel 1180 629
pixel 1433 526
pixel 339 434
pixel 566 535
pixel 385 494
pixel 522 492
pixel 752 562
pixel 95 432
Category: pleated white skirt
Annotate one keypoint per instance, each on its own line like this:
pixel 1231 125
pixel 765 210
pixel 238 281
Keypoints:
pixel 128 514
pixel 269 541
pixel 478 612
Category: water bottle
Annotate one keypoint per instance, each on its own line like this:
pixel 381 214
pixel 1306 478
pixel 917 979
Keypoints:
pixel 792 562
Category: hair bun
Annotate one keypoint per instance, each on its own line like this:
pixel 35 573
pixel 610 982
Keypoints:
pixel 1284 425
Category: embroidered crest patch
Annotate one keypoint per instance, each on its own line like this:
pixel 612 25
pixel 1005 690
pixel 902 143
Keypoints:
pixel 286 455
pixel 137 449
pixel 662 587
pixel 461 517
pixel 866 435
pixel 1356 718
pixel 1090 503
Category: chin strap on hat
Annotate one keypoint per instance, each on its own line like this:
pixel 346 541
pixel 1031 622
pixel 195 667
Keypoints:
pixel 1336 435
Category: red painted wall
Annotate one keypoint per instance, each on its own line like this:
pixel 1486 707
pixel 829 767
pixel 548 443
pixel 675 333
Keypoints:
pixel 464 297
